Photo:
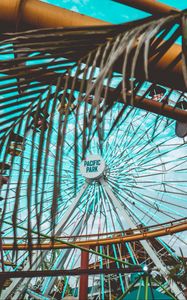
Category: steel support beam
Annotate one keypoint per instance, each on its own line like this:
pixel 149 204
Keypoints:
pixel 17 282
pixel 73 272
pixel 70 210
pixel 61 262
pixel 146 245
pixel 19 285
pixel 36 296
pixel 83 285
pixel 143 103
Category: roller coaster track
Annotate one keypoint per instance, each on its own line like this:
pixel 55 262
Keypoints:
pixel 130 235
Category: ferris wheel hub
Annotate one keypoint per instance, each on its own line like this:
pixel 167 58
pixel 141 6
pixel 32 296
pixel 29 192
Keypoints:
pixel 93 167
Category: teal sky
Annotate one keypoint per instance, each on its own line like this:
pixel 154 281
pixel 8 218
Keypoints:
pixel 108 10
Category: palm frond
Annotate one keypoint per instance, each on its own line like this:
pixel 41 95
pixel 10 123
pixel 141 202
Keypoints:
pixel 42 69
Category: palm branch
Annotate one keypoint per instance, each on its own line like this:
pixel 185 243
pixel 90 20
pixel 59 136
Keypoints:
pixel 41 69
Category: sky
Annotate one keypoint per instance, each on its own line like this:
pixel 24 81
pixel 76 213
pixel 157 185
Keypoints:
pixel 109 10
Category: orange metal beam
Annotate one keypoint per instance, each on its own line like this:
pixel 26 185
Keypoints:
pixel 150 6
pixel 142 235
pixel 160 108
pixel 37 14
pixel 146 104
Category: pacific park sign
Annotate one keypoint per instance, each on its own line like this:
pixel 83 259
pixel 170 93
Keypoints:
pixel 92 167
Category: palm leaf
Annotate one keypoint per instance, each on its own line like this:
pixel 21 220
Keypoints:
pixel 40 67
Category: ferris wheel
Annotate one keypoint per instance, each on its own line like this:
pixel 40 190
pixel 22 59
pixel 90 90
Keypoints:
pixel 94 213
pixel 93 191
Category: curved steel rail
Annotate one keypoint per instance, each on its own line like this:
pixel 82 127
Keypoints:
pixel 128 236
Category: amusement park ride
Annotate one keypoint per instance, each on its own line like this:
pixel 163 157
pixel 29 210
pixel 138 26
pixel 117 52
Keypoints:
pixel 93 164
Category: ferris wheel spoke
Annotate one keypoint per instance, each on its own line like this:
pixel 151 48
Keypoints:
pixel 139 165
pixel 118 205
pixel 164 201
pixel 144 243
pixel 83 213
pixel 147 154
pixel 76 230
pixel 36 258
pixel 157 205
pixel 70 210
pixel 115 144
pixel 60 262
pixel 139 205
pixel 141 202
pixel 110 226
pixel 140 138
pixel 152 158
pixel 145 195
pixel 177 191
pixel 179 164
pixel 115 218
pixel 143 184
pixel 128 142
